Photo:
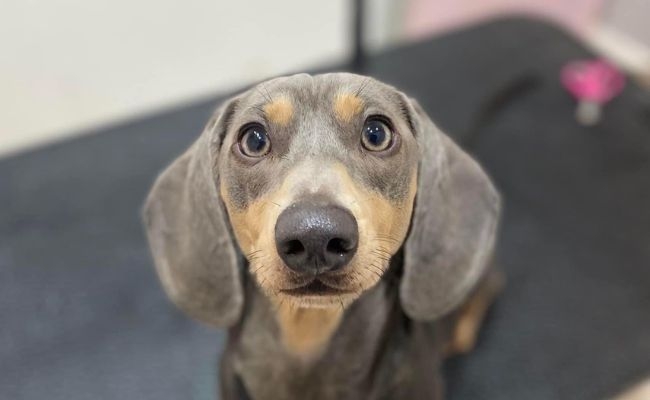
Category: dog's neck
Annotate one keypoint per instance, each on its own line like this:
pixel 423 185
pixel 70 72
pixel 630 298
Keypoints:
pixel 307 331
pixel 305 334
pixel 309 349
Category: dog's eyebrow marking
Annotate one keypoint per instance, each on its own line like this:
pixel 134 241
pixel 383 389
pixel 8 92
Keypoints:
pixel 347 105
pixel 279 111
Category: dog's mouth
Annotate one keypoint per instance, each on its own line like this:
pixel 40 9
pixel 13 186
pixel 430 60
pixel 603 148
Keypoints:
pixel 315 288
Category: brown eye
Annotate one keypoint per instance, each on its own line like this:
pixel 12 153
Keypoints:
pixel 254 142
pixel 376 135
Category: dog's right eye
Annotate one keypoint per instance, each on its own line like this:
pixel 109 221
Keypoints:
pixel 376 135
pixel 254 142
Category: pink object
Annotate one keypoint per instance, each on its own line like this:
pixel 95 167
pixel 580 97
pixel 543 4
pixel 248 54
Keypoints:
pixel 593 83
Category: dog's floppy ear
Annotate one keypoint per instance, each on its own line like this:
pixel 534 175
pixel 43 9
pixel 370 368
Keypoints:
pixel 453 230
pixel 187 229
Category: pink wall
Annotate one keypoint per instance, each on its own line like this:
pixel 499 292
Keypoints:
pixel 424 17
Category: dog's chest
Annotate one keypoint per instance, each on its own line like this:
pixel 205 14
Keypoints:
pixel 364 356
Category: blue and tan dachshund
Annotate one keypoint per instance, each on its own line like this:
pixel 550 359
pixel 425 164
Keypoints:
pixel 343 239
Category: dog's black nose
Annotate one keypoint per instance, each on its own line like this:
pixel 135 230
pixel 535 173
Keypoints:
pixel 315 238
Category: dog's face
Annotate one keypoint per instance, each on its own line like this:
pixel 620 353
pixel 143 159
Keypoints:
pixel 318 176
pixel 319 181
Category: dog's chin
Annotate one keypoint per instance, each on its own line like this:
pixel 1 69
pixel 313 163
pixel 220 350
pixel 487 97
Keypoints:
pixel 318 294
pixel 315 288
pixel 328 290
pixel 341 301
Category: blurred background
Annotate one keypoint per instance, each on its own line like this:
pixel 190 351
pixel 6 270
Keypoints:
pixel 97 96
pixel 68 66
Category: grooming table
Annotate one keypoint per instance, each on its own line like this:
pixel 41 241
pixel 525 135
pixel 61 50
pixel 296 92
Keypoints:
pixel 82 315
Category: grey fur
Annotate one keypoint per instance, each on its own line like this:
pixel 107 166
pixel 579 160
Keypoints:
pixel 186 227
pixel 454 226
pixel 387 346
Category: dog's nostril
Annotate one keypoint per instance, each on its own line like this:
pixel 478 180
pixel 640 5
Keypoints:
pixel 338 246
pixel 294 247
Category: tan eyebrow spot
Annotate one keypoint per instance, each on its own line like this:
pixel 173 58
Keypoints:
pixel 346 106
pixel 279 111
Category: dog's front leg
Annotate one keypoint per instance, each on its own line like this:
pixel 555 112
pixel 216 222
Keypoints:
pixel 231 386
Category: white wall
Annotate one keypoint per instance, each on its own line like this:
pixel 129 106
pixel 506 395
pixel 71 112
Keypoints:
pixel 66 65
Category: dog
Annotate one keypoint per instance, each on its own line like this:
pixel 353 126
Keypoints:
pixel 345 242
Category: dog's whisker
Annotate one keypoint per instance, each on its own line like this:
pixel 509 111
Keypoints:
pixel 341 301
pixel 356 279
pixel 253 252
pixel 260 109
pixel 377 267
pixel 362 87
pixel 367 268
pixel 386 237
pixel 383 240
pixel 382 252
pixel 266 95
pixel 253 258
pixel 382 257
pixel 260 268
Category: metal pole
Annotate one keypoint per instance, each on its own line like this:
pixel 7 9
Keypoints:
pixel 357 63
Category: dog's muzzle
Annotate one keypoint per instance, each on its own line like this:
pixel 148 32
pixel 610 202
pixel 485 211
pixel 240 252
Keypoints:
pixel 314 237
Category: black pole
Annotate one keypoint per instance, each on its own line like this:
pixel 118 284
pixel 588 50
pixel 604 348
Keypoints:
pixel 357 64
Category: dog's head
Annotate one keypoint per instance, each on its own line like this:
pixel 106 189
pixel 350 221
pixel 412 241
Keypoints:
pixel 319 181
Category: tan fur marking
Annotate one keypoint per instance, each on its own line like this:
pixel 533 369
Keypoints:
pixel 346 106
pixel 279 111
pixel 254 229
pixel 375 211
pixel 472 313
pixel 306 331
pixel 467 326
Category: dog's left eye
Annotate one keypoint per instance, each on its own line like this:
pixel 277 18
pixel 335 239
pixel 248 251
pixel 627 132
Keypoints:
pixel 254 142
pixel 376 135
